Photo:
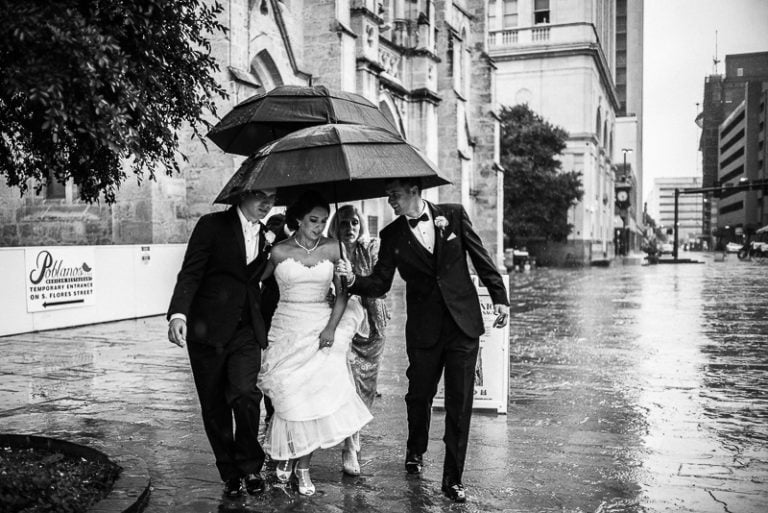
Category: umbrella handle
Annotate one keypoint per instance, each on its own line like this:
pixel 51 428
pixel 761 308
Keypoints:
pixel 341 247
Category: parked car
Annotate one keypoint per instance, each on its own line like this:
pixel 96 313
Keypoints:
pixel 666 248
pixel 516 259
pixel 733 247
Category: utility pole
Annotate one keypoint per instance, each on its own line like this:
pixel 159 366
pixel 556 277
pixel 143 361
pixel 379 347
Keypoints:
pixel 674 247
pixel 624 218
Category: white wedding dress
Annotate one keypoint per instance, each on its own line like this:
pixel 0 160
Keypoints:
pixel 312 390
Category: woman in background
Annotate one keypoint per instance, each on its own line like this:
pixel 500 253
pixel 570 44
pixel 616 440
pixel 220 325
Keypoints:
pixel 368 344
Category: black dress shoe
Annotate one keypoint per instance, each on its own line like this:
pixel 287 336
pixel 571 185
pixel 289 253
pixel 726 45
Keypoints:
pixel 414 462
pixel 254 484
pixel 233 487
pixel 455 492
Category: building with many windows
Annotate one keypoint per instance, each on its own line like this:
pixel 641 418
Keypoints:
pixel 417 60
pixel 558 56
pixel 423 62
pixel 743 159
pixel 661 206
pixel 722 95
pixel 628 147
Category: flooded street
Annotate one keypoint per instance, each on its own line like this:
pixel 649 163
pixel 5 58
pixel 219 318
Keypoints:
pixel 633 389
pixel 651 382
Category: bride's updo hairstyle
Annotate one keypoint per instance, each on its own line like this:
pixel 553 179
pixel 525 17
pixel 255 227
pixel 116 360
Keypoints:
pixel 303 206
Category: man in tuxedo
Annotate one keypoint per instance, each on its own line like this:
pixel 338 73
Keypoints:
pixel 216 310
pixel 428 245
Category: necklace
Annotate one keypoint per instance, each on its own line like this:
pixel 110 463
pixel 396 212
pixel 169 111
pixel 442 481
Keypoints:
pixel 308 250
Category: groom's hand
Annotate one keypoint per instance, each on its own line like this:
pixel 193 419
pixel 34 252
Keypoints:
pixel 502 314
pixel 177 332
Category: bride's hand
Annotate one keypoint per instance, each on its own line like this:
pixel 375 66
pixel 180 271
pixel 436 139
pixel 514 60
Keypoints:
pixel 344 269
pixel 326 337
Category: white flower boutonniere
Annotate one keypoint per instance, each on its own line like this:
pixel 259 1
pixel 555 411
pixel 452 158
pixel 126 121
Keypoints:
pixel 441 223
pixel 269 238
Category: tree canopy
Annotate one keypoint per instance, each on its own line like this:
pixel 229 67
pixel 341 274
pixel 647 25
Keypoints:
pixel 86 86
pixel 537 193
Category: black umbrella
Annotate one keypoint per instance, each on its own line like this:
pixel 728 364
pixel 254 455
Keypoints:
pixel 266 117
pixel 343 162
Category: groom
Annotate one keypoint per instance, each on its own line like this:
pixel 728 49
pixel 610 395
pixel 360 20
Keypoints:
pixel 216 310
pixel 428 244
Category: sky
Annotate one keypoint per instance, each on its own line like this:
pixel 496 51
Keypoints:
pixel 679 45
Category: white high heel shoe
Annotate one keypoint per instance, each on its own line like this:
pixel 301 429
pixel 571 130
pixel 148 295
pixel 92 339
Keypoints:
pixel 305 483
pixel 283 471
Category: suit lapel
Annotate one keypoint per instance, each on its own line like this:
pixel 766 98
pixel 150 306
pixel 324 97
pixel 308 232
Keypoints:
pixel 439 234
pixel 263 254
pixel 238 232
pixel 262 239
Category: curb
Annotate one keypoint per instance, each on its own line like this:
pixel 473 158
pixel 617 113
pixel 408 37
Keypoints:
pixel 130 492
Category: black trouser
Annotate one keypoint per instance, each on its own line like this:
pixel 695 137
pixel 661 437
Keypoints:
pixel 457 355
pixel 225 379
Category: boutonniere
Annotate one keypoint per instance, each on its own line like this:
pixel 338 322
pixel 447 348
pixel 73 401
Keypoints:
pixel 441 223
pixel 269 238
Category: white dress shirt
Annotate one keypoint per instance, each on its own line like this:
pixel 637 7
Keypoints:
pixel 251 236
pixel 425 230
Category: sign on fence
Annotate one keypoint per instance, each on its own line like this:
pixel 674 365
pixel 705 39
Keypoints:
pixel 59 277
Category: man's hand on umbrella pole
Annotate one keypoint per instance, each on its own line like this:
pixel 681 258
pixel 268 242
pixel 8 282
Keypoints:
pixel 344 271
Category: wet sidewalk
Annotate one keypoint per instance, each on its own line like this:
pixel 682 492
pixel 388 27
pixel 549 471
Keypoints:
pixel 611 405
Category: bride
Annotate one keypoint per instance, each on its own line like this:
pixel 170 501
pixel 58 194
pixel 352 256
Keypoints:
pixel 304 368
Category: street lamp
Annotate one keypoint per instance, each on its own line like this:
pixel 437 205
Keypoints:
pixel 625 151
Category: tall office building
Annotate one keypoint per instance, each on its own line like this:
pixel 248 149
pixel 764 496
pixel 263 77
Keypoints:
pixel 558 57
pixel 629 116
pixel 722 95
pixel 661 206
pixel 743 155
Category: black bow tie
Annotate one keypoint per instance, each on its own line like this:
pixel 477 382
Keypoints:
pixel 414 222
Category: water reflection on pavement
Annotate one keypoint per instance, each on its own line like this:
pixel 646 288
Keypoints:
pixel 632 389
pixel 652 380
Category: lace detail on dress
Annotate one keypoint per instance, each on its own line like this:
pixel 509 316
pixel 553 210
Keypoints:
pixel 301 283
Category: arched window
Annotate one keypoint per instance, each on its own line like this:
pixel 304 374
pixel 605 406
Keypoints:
pixel 264 67
pixel 391 112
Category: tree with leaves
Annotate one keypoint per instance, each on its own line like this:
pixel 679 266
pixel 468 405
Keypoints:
pixel 537 193
pixel 87 86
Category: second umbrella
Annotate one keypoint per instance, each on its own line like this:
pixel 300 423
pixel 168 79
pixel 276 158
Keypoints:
pixel 344 162
pixel 266 117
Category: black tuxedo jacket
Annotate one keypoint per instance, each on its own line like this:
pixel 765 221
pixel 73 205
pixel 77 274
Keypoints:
pixel 215 286
pixel 435 282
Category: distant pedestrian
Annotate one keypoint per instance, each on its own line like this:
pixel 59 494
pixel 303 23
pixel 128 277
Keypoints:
pixel 215 309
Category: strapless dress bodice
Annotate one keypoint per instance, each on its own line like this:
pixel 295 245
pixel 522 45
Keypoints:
pixel 301 283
